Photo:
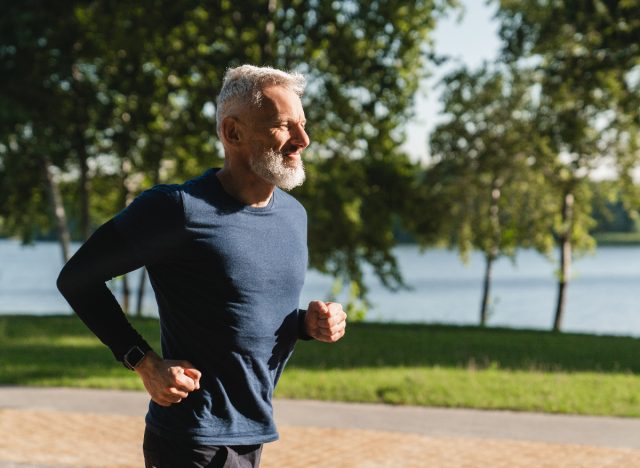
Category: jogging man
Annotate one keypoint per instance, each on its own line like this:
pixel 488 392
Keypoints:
pixel 226 255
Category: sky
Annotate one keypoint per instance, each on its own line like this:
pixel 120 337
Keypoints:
pixel 469 40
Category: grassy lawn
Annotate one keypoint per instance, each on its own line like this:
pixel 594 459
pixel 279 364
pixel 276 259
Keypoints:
pixel 384 363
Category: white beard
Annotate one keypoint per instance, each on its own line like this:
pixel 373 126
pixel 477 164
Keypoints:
pixel 271 166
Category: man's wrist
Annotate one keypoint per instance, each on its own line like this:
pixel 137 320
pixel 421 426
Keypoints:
pixel 135 355
pixel 148 364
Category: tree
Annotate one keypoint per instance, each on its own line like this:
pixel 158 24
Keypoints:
pixel 143 76
pixel 36 46
pixel 585 54
pixel 364 62
pixel 150 117
pixel 483 174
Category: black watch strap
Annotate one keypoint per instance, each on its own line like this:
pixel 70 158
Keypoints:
pixel 133 357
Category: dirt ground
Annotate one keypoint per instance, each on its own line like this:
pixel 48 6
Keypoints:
pixel 38 438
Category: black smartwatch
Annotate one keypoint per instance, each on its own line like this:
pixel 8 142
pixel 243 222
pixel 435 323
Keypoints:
pixel 133 357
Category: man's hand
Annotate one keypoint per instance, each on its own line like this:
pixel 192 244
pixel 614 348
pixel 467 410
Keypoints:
pixel 325 321
pixel 168 382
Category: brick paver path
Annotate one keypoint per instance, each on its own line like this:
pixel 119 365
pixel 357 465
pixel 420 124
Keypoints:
pixel 39 438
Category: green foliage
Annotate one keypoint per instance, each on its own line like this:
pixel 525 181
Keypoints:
pixel 483 183
pixel 364 61
pixel 36 48
pixel 584 56
pixel 483 174
pixel 354 305
pixel 609 210
pixel 129 95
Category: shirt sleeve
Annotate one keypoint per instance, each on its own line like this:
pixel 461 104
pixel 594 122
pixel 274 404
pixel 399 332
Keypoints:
pixel 153 224
pixel 142 234
pixel 82 282
pixel 302 329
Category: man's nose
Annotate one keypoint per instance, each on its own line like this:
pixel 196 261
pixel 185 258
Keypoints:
pixel 299 137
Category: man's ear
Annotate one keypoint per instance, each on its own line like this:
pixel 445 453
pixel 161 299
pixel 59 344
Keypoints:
pixel 231 131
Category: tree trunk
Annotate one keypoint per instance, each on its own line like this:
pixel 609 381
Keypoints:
pixel 143 274
pixel 84 189
pixel 564 242
pixel 269 29
pixel 493 251
pixel 127 197
pixel 126 294
pixel 57 209
pixel 486 290
pixel 81 118
pixel 141 287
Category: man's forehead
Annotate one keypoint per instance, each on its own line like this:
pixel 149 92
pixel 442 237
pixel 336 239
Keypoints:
pixel 280 101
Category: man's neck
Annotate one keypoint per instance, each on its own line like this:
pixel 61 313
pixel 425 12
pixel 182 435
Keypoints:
pixel 245 186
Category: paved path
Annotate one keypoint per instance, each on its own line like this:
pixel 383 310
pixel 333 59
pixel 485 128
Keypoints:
pixel 75 427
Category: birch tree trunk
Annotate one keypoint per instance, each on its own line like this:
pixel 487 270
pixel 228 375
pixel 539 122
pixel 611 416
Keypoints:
pixel 143 274
pixel 269 29
pixel 565 245
pixel 492 253
pixel 84 191
pixel 127 197
pixel 57 209
pixel 486 290
pixel 140 295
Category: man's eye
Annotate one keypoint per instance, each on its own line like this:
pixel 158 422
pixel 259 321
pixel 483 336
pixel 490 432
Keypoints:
pixel 290 126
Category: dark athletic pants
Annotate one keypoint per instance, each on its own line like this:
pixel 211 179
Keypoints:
pixel 165 453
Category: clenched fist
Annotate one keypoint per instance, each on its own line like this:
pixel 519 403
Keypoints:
pixel 166 381
pixel 325 321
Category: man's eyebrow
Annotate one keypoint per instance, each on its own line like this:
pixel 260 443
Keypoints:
pixel 288 120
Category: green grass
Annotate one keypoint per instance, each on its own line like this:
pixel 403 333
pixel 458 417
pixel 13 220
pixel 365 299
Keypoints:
pixel 387 363
pixel 60 351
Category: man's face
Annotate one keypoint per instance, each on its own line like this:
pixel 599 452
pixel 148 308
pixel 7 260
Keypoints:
pixel 277 138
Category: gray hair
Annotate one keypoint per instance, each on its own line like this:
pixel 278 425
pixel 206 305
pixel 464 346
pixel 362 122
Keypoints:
pixel 244 84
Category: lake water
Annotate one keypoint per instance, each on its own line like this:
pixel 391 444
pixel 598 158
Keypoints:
pixel 602 297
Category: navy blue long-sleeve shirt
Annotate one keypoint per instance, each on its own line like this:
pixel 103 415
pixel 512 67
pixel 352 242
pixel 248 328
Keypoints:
pixel 227 278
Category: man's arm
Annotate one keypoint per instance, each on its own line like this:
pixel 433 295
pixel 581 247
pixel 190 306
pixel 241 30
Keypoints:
pixel 325 321
pixel 82 282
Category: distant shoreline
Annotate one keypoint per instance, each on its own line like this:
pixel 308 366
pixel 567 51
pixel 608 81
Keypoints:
pixel 617 238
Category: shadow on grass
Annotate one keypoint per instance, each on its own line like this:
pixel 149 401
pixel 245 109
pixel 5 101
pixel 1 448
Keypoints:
pixel 31 364
pixel 379 345
pixel 48 348
pixel 58 350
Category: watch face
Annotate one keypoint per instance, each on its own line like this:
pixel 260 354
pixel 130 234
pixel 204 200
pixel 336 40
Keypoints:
pixel 133 357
